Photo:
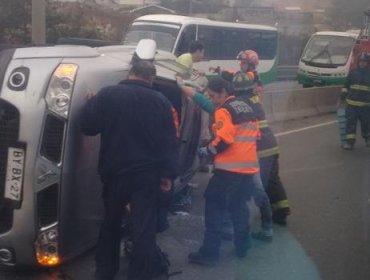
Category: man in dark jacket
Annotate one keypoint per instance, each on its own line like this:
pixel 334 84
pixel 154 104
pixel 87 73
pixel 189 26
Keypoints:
pixel 137 161
pixel 356 93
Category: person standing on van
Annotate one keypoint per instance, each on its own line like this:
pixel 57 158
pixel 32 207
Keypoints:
pixel 356 94
pixel 138 159
pixel 236 163
pixel 195 54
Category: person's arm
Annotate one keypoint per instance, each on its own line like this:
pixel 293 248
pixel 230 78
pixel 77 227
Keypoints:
pixel 200 99
pixel 224 132
pixel 91 118
pixel 203 102
pixel 346 86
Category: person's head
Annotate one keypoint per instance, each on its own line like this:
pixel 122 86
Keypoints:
pixel 248 60
pixel 196 49
pixel 363 60
pixel 142 70
pixel 244 84
pixel 218 90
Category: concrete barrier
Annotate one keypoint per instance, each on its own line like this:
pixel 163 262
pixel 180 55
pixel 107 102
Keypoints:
pixel 288 104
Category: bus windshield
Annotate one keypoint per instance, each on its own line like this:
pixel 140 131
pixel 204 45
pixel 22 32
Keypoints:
pixel 328 50
pixel 164 34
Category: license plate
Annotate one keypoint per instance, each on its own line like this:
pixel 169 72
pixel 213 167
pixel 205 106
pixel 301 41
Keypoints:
pixel 14 174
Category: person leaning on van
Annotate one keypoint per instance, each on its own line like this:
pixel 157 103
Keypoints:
pixel 138 159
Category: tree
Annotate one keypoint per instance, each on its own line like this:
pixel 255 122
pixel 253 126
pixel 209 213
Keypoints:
pixel 15 21
pixel 346 14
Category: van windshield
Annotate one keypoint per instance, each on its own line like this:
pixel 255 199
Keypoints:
pixel 164 34
pixel 328 50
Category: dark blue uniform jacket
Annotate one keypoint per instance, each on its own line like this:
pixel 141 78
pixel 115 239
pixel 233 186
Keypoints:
pixel 136 127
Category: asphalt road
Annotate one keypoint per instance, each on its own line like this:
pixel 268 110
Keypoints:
pixel 327 236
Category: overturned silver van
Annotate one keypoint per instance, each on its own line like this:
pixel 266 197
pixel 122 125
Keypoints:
pixel 50 206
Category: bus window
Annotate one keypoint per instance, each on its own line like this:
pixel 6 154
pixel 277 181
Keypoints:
pixel 214 38
pixel 328 50
pixel 211 37
pixel 164 34
pixel 188 34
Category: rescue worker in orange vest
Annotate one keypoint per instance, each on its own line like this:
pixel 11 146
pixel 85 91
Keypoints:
pixel 236 164
pixel 356 94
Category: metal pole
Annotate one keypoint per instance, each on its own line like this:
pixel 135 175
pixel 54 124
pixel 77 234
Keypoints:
pixel 38 22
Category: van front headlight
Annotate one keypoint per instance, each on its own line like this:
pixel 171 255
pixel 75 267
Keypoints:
pixel 59 93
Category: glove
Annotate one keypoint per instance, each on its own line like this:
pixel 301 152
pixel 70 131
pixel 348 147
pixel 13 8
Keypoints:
pixel 203 152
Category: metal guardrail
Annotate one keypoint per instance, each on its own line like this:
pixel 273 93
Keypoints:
pixel 287 72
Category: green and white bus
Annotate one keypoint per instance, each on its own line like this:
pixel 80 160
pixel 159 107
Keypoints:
pixel 222 40
pixel 326 58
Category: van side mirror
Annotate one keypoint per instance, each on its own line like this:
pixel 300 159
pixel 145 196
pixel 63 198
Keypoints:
pixel 146 49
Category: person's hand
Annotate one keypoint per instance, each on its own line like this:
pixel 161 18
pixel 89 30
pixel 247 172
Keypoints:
pixel 215 69
pixel 203 152
pixel 90 95
pixel 166 184
pixel 179 80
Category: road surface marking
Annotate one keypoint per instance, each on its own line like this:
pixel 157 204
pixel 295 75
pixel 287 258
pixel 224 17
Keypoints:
pixel 305 128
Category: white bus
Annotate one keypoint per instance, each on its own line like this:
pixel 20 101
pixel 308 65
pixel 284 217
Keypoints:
pixel 222 40
pixel 326 58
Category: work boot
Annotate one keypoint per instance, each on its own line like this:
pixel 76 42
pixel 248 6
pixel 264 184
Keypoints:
pixel 203 168
pixel 201 259
pixel 263 235
pixel 279 216
pixel 347 146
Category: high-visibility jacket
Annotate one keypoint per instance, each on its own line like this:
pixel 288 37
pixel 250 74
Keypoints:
pixel 267 144
pixel 236 132
pixel 356 90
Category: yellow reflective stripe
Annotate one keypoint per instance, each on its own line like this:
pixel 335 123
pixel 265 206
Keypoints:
pixel 356 103
pixel 234 165
pixel 245 139
pixel 248 126
pixel 268 152
pixel 263 124
pixel 255 99
pixel 351 136
pixel 280 204
pixel 360 87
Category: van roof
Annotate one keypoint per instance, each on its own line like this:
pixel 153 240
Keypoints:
pixel 177 19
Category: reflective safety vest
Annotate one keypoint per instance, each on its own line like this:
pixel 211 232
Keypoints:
pixel 267 145
pixel 236 126
pixel 356 90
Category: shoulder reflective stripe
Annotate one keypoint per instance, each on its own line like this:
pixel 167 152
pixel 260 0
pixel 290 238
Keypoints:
pixel 263 124
pixel 245 138
pixel 356 103
pixel 280 204
pixel 234 165
pixel 268 152
pixel 351 136
pixel 248 126
pixel 360 87
pixel 254 99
